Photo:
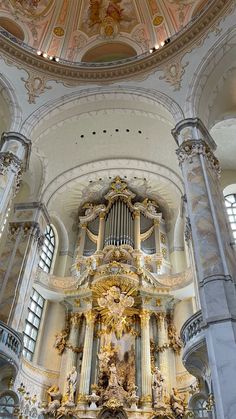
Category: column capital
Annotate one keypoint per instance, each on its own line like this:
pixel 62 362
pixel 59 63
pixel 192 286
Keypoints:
pixel 192 129
pixel 90 317
pixel 25 228
pixel 75 319
pixel 144 317
pixel 9 160
pixel 192 148
pixel 7 137
pixel 161 315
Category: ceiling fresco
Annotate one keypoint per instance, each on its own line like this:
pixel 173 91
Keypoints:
pixel 70 28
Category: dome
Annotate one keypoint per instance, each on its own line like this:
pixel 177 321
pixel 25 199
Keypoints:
pixel 97 30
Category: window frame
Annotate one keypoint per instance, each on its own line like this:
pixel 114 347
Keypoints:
pixel 35 311
pixel 231 212
pixel 47 253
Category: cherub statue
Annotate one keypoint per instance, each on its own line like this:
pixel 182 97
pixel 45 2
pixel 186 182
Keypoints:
pixel 60 342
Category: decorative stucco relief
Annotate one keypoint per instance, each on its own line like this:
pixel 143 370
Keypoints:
pixel 35 85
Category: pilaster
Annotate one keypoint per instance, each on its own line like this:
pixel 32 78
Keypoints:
pixel 87 358
pixel 146 375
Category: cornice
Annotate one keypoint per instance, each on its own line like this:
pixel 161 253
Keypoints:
pixel 138 67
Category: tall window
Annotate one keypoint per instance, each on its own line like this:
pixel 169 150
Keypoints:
pixel 48 248
pixel 32 324
pixel 230 202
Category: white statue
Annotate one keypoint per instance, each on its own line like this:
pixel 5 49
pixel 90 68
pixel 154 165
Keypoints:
pixel 71 380
pixel 157 386
pixel 113 380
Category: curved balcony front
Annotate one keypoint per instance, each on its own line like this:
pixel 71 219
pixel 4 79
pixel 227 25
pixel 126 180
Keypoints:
pixel 195 358
pixel 11 345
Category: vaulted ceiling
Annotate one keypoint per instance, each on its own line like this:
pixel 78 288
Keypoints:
pixel 81 30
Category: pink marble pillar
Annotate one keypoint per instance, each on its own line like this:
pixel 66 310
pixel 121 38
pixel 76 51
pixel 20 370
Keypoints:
pixel 214 256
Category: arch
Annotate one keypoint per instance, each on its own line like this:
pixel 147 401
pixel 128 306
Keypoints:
pixel 111 51
pixel 10 98
pixel 9 402
pixel 169 184
pixel 208 74
pixel 48 250
pixel 92 94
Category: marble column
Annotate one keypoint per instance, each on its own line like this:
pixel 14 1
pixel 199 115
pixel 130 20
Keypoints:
pixel 162 341
pixel 214 256
pixel 146 374
pixel 82 239
pixel 19 259
pixel 137 237
pixel 101 232
pixel 86 366
pixel 14 159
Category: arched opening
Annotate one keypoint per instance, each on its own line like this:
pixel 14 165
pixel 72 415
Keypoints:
pixel 108 52
pixel 12 27
pixel 8 404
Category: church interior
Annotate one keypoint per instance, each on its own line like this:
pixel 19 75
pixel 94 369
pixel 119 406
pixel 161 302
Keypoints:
pixel 117 209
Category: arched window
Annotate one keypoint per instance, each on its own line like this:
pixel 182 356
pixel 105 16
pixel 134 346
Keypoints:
pixel 230 202
pixel 8 403
pixel 47 251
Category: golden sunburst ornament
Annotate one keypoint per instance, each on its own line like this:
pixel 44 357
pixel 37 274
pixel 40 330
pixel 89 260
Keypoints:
pixel 115 303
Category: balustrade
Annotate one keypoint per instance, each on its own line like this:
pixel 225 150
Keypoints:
pixel 192 327
pixel 11 344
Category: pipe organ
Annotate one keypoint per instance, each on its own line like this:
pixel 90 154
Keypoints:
pixel 119 227
pixel 121 223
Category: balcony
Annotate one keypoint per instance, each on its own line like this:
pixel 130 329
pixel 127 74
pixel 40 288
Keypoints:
pixel 194 357
pixel 11 346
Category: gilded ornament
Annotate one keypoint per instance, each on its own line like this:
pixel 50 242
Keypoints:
pixel 144 317
pixel 164 252
pixel 90 317
pixel 114 305
pixel 58 31
pixel 118 185
pixel 163 238
pixel 157 20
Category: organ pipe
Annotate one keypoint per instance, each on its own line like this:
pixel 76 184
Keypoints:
pixel 119 225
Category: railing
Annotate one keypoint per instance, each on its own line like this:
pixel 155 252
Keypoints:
pixel 11 344
pixel 192 327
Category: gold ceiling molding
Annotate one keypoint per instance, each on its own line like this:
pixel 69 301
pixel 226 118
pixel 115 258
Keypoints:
pixel 183 43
